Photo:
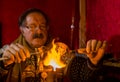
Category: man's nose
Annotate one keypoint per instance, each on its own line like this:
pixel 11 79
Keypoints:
pixel 38 30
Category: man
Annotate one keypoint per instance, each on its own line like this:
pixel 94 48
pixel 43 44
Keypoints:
pixel 20 64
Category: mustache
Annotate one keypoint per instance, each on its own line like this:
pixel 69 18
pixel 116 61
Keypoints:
pixel 38 36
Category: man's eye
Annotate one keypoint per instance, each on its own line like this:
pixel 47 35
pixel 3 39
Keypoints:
pixel 43 27
pixel 32 26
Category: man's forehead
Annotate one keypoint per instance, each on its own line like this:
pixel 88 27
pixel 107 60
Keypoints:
pixel 36 17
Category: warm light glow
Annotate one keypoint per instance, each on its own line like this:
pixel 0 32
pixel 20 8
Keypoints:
pixel 53 57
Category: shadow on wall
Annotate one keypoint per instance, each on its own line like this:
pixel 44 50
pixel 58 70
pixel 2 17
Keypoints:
pixel 114 46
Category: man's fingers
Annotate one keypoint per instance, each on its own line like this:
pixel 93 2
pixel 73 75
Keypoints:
pixel 98 45
pixel 81 50
pixel 18 52
pixel 10 57
pixel 93 44
pixel 99 54
pixel 25 50
pixel 22 55
pixel 104 44
pixel 14 53
pixel 88 46
pixel 17 57
pixel 101 51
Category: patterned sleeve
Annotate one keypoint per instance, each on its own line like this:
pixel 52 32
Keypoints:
pixel 80 69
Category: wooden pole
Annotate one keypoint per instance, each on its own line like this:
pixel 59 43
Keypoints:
pixel 82 23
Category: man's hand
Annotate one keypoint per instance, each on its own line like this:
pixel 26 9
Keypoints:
pixel 15 53
pixel 94 50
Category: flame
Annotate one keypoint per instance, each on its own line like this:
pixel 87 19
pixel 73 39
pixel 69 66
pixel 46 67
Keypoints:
pixel 53 57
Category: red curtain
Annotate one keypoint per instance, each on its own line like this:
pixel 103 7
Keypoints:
pixel 103 23
pixel 59 11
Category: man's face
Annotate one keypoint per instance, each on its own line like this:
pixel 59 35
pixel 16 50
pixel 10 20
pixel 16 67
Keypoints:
pixel 35 30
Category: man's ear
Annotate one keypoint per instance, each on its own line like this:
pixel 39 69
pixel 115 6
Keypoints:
pixel 21 29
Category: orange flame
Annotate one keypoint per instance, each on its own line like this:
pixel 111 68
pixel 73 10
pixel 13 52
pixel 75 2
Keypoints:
pixel 53 57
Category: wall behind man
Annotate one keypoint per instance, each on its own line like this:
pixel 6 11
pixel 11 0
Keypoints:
pixel 59 11
pixel 0 35
pixel 103 23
